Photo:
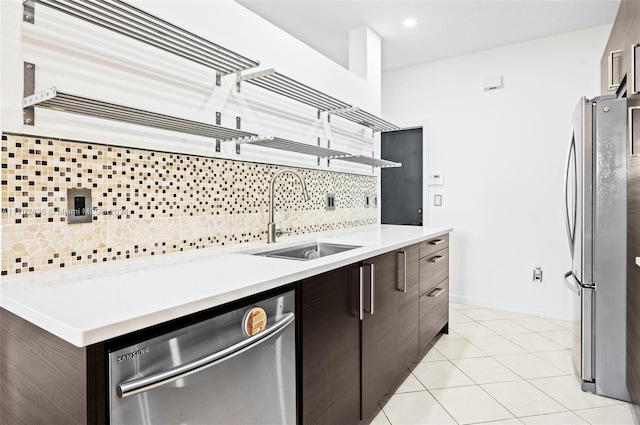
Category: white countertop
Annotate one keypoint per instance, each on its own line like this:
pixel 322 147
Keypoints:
pixel 88 304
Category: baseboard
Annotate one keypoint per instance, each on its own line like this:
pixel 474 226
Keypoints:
pixel 552 314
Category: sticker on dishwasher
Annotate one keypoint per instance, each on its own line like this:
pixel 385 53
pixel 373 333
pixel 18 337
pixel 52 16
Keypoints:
pixel 255 321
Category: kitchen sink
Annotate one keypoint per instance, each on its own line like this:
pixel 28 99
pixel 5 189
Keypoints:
pixel 307 251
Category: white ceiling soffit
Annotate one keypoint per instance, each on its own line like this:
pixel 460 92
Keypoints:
pixel 444 28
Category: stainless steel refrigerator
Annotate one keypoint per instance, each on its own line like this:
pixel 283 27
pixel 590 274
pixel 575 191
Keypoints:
pixel 595 192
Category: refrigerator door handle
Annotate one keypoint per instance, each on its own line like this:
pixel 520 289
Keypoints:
pixel 571 228
pixel 573 286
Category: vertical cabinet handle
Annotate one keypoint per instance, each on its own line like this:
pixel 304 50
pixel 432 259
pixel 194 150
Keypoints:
pixel 373 288
pixel 634 70
pixel 404 279
pixel 612 54
pixel 632 142
pixel 361 294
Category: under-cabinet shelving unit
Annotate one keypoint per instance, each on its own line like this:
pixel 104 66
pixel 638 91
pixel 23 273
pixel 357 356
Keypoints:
pixel 276 82
pixel 129 21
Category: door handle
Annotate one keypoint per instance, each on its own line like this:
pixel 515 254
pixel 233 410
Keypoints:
pixel 573 286
pixel 612 53
pixel 372 286
pixel 634 88
pixel 404 257
pixel 156 380
pixel 436 259
pixel 372 302
pixel 570 231
pixel 361 305
pixel 436 242
pixel 632 151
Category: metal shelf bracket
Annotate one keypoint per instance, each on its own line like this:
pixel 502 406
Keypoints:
pixel 28 112
pixel 28 11
pixel 249 139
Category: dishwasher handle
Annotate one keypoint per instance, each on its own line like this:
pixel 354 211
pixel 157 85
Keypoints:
pixel 156 380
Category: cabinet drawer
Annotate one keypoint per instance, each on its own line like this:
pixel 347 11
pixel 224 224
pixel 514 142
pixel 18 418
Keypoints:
pixel 434 313
pixel 433 270
pixel 434 245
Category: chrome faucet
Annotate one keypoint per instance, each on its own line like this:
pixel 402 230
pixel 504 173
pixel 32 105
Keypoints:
pixel 272 225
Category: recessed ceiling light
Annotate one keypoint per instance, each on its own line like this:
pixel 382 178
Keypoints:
pixel 409 23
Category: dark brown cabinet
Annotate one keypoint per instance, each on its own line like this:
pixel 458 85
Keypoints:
pixel 348 364
pixel 408 306
pixel 379 330
pixel 633 251
pixel 434 289
pixel 46 380
pixel 434 313
pixel 330 341
pixel 624 41
pixel 622 53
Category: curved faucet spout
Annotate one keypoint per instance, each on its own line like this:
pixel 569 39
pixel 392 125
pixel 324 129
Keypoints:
pixel 272 225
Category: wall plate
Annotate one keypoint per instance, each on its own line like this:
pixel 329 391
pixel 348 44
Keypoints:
pixel 436 179
pixel 331 201
pixel 79 208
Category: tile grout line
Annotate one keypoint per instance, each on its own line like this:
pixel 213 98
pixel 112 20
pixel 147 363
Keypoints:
pixel 523 379
pixel 616 403
pixel 475 384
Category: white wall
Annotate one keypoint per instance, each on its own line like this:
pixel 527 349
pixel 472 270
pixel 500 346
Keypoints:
pixel 82 59
pixel 502 154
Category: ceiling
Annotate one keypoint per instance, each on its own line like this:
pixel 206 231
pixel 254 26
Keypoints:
pixel 444 28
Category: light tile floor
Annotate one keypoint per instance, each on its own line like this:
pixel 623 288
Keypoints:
pixel 501 368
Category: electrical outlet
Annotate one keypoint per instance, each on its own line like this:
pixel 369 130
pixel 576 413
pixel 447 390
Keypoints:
pixel 537 275
pixel 79 209
pixel 331 201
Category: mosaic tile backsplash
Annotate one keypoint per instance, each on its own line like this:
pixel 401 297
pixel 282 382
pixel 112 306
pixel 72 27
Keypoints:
pixel 150 203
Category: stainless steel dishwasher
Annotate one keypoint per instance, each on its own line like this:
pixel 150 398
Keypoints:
pixel 235 368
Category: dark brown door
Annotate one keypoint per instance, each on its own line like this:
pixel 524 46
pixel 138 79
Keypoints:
pixel 331 348
pixel 408 301
pixel 401 188
pixel 379 330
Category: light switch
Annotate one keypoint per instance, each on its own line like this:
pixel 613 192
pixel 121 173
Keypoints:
pixel 437 200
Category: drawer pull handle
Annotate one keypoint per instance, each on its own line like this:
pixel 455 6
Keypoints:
pixel 435 292
pixel 436 259
pixel 436 242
